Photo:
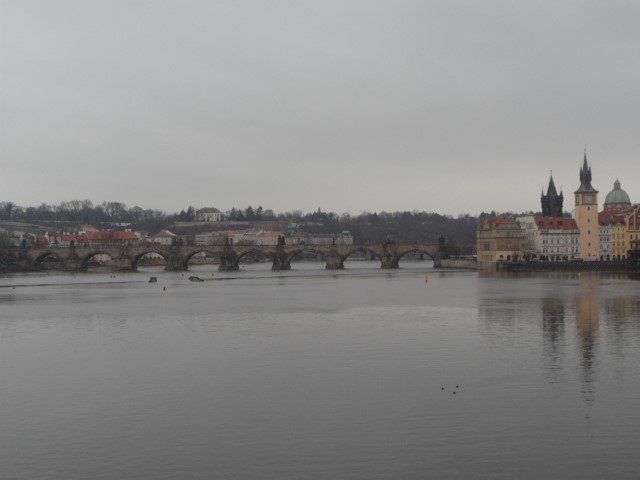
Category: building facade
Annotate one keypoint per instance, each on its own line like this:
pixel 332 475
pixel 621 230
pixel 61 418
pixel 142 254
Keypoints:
pixel 619 244
pixel 532 246
pixel 110 238
pixel 633 231
pixel 208 214
pixel 604 233
pixel 165 237
pixel 613 224
pixel 559 238
pixel 500 239
pixel 343 238
pixel 550 236
pixel 586 215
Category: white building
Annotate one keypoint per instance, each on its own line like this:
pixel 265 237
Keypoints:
pixel 344 238
pixel 238 237
pixel 165 237
pixel 550 238
pixel 559 237
pixel 211 238
pixel 605 230
pixel 208 214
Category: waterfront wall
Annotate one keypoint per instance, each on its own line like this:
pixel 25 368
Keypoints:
pixel 598 266
pixel 455 263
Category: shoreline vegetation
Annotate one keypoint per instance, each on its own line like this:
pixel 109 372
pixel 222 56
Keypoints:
pixel 404 226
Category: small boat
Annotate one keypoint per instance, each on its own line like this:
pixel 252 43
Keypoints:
pixel 153 279
pixel 193 278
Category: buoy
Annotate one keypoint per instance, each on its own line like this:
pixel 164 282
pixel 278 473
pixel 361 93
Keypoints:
pixel 426 278
pixel 164 287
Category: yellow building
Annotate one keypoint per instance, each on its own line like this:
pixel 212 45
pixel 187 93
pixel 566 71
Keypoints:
pixel 619 242
pixel 586 215
pixel 633 229
pixel 499 240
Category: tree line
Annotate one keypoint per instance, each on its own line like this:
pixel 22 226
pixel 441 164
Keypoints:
pixel 408 226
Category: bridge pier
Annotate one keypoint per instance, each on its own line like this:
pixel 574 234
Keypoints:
pixel 389 262
pixel 176 267
pixel 281 262
pixel 334 263
pixel 122 265
pixel 229 262
pixel 74 265
pixel 176 263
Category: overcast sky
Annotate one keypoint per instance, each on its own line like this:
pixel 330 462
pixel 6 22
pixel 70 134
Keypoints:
pixel 348 105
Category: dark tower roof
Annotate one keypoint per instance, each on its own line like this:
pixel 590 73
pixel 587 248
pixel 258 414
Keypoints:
pixel 585 178
pixel 551 202
pixel 551 189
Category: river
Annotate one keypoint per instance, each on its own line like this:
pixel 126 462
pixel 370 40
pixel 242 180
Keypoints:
pixel 314 374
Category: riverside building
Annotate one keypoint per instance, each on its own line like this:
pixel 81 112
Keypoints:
pixel 586 215
pixel 550 236
pixel 614 224
pixel 500 239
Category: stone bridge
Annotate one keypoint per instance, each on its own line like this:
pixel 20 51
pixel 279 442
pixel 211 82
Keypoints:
pixel 177 257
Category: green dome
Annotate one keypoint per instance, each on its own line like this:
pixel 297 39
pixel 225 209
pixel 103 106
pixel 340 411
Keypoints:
pixel 617 196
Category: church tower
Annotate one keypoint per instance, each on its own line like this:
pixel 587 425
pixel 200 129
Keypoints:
pixel 586 214
pixel 551 202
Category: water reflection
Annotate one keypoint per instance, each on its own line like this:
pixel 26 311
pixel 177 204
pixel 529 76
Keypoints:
pixel 587 307
pixel 583 317
pixel 553 318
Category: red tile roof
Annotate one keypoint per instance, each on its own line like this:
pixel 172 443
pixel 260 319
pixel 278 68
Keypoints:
pixel 124 235
pixel 607 218
pixel 99 235
pixel 492 222
pixel 556 223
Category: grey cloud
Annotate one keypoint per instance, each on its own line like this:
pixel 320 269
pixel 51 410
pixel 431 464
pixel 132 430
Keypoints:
pixel 351 106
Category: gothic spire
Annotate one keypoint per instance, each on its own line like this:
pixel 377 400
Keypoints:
pixel 551 202
pixel 551 189
pixel 585 176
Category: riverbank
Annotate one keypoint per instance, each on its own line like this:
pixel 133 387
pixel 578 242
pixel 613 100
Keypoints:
pixel 458 264
pixel 598 266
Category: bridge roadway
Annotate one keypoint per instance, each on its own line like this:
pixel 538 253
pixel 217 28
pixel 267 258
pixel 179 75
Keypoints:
pixel 177 257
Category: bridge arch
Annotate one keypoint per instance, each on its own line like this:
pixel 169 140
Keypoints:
pixel 256 251
pixel 417 249
pixel 361 249
pixel 294 253
pixel 40 259
pixel 84 262
pixel 196 251
pixel 138 257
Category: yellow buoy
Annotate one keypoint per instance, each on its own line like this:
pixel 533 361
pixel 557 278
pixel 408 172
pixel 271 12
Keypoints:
pixel 426 278
pixel 164 287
